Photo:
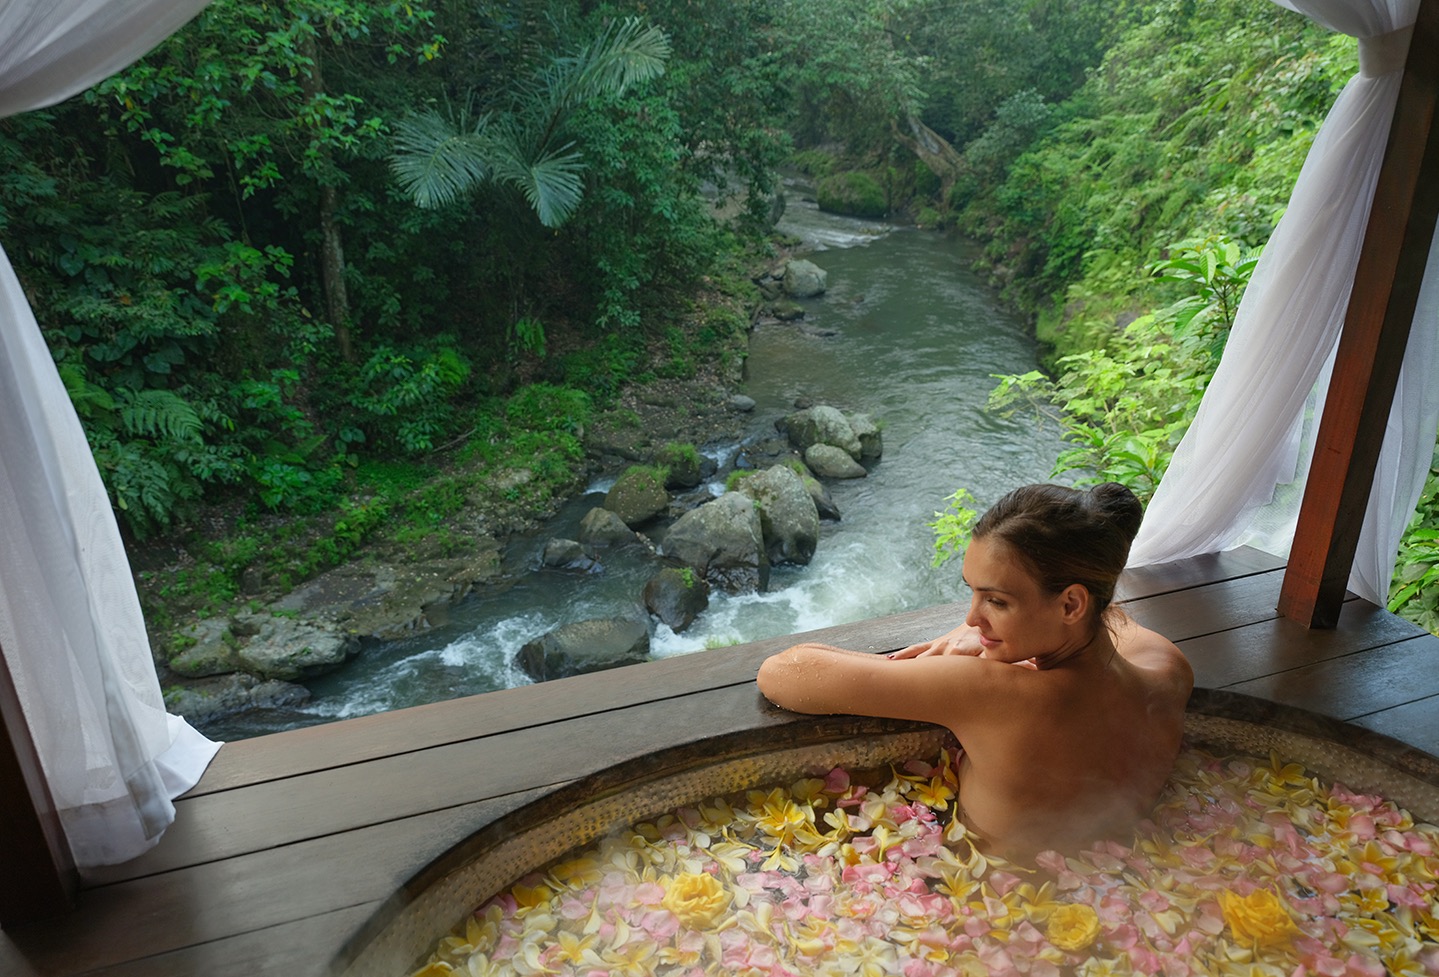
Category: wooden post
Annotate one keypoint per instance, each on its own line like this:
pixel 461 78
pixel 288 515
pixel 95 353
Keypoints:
pixel 39 879
pixel 1371 347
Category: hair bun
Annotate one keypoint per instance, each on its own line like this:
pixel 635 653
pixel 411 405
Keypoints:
pixel 1119 505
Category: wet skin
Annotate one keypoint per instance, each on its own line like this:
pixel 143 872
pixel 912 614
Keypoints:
pixel 1070 728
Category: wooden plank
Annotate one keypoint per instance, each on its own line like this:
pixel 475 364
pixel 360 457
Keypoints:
pixel 1211 608
pixel 1357 684
pixel 303 948
pixel 1371 347
pixel 1416 723
pixel 236 822
pixel 1280 644
pixel 302 751
pixel 189 907
pixel 1196 571
pixel 39 878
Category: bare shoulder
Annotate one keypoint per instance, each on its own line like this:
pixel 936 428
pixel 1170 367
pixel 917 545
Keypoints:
pixel 1153 653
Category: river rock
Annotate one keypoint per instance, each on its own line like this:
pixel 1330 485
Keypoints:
pixel 601 527
pixel 388 600
pixel 203 649
pixel 823 502
pixel 216 698
pixel 291 648
pixel 567 554
pixel 742 403
pixel 821 425
pixel 788 516
pixel 724 541
pixel 637 497
pixel 871 443
pixel 804 279
pixel 683 465
pixel 586 646
pixel 676 596
pixel 827 461
pixel 787 311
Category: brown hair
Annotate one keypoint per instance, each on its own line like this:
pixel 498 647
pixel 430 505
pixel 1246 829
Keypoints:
pixel 1068 536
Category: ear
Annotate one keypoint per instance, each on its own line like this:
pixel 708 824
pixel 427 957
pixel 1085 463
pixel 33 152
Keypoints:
pixel 1074 603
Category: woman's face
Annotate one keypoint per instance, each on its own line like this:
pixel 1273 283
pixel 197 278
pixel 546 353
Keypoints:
pixel 1016 619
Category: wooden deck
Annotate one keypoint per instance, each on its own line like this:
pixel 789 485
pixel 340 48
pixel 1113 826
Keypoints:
pixel 291 842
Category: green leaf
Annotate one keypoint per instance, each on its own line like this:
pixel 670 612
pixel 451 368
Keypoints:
pixel 436 161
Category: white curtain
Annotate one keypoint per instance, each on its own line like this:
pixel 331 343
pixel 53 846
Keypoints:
pixel 1238 475
pixel 70 622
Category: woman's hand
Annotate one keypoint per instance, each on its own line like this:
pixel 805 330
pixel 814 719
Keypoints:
pixel 963 640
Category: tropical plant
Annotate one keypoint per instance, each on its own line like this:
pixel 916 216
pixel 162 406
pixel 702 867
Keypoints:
pixel 1414 591
pixel 953 527
pixel 520 139
pixel 1214 273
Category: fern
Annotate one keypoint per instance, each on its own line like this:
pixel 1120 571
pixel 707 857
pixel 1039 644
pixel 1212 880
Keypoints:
pixel 158 414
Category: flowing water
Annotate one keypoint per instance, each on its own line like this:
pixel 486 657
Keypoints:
pixel 905 333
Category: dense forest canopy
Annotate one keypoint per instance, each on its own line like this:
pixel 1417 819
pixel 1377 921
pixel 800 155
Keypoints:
pixel 304 257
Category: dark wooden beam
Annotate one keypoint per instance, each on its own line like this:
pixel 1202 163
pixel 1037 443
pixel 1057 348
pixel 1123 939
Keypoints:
pixel 1371 347
pixel 39 878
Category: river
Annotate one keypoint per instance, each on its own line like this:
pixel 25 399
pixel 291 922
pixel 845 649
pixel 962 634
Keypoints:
pixel 906 333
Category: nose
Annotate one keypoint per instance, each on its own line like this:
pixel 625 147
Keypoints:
pixel 972 618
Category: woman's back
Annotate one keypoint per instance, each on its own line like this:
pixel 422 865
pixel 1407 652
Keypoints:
pixel 1069 730
pixel 1080 751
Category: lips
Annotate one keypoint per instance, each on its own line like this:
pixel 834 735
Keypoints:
pixel 988 642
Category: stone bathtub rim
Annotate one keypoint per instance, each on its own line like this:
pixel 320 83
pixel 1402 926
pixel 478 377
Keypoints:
pixel 387 945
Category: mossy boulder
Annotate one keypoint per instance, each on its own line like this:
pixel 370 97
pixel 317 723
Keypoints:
pixel 601 527
pixel 871 442
pixel 638 496
pixel 856 193
pixel 821 425
pixel 804 279
pixel 682 464
pixel 723 541
pixel 676 596
pixel 827 461
pixel 789 518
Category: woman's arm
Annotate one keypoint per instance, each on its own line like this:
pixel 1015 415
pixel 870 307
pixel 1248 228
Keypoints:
pixel 820 679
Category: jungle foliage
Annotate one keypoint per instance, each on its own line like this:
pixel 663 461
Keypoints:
pixel 311 258
pixel 299 238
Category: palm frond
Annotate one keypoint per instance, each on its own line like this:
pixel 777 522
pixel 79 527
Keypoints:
pixel 626 53
pixel 437 159
pixel 551 184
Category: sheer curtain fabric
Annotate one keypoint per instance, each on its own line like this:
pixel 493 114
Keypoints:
pixel 1238 475
pixel 70 622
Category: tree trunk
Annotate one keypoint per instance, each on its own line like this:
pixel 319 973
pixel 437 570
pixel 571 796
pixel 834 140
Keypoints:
pixel 332 245
pixel 933 150
pixel 332 268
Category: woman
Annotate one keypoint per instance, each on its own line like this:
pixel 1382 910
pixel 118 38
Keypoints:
pixel 1069 713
